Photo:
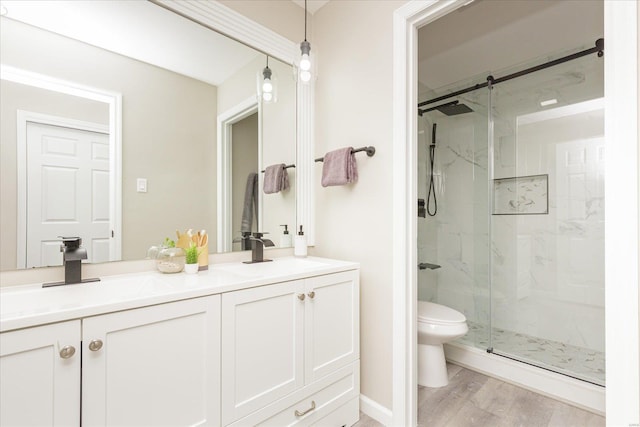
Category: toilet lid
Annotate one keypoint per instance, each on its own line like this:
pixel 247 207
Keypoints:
pixel 436 313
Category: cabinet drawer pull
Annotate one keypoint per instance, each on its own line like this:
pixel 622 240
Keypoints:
pixel 301 297
pixel 311 294
pixel 95 345
pixel 313 406
pixel 67 351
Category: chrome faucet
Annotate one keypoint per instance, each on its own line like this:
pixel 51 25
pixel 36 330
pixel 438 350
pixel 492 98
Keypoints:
pixel 72 256
pixel 257 247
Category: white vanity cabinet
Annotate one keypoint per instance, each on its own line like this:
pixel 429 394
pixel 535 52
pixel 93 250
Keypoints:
pixel 156 365
pixel 271 344
pixel 290 352
pixel 40 375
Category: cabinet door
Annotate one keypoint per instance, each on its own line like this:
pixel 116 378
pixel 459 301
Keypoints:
pixel 332 323
pixel 40 375
pixel 156 365
pixel 262 347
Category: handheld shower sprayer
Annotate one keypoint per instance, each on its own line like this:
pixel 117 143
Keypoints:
pixel 432 187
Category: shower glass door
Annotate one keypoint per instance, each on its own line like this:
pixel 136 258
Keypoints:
pixel 547 218
pixel 454 235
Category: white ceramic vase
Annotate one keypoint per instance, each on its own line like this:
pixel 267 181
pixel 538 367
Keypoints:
pixel 191 268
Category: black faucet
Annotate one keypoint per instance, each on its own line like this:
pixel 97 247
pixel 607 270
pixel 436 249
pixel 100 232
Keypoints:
pixel 72 256
pixel 257 247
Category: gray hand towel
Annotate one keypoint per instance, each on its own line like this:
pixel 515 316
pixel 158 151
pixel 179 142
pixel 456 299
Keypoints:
pixel 276 179
pixel 250 202
pixel 339 167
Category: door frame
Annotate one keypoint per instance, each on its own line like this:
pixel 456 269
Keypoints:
pixel 622 241
pixel 23 119
pixel 224 168
pixel 114 103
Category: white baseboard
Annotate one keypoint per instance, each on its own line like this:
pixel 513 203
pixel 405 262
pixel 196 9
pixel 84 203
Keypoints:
pixel 574 392
pixel 376 411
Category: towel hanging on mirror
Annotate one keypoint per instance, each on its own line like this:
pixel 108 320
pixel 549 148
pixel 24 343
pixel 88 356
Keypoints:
pixel 339 167
pixel 276 179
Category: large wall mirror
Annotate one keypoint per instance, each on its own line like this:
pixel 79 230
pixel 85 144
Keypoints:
pixel 123 122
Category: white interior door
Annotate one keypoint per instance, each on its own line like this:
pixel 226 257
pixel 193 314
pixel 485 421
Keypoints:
pixel 67 192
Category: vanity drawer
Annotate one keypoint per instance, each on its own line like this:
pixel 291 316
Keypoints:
pixel 312 403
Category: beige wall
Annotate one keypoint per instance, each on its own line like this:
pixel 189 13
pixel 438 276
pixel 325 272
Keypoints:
pixel 354 108
pixel 168 129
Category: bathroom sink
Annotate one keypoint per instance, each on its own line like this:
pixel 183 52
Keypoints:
pixel 279 266
pixel 34 299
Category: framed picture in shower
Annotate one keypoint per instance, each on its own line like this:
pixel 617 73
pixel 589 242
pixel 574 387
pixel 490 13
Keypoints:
pixel 521 195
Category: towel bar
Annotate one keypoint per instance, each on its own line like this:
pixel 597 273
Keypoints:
pixel 286 167
pixel 371 150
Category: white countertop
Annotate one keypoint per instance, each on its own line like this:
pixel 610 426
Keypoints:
pixel 30 305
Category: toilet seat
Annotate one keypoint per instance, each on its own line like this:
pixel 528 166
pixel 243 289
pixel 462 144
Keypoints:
pixel 429 312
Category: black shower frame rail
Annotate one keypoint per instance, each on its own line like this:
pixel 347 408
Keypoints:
pixel 599 49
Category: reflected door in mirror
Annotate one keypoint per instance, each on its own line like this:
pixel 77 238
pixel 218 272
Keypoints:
pixel 67 192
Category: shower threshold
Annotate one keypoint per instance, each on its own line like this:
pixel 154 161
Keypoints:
pixel 577 362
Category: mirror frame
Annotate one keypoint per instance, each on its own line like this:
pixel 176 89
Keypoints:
pixel 230 23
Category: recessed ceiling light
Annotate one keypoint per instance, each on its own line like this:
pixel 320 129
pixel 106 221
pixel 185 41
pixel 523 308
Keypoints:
pixel 3 10
pixel 548 102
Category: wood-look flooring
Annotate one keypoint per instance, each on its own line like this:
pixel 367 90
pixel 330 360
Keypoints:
pixel 474 399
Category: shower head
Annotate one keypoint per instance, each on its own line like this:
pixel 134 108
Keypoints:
pixel 452 109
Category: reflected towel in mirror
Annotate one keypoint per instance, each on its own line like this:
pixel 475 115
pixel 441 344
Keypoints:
pixel 339 167
pixel 250 202
pixel 276 179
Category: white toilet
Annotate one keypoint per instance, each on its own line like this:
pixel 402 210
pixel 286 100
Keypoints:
pixel 437 325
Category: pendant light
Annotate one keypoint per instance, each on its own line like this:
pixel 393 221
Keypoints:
pixel 305 49
pixel 267 84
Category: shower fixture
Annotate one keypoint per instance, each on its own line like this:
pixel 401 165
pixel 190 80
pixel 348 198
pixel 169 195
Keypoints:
pixel 452 108
pixel 432 187
pixel 425 265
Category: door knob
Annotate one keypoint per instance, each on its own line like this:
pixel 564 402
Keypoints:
pixel 95 345
pixel 311 294
pixel 67 351
pixel 301 297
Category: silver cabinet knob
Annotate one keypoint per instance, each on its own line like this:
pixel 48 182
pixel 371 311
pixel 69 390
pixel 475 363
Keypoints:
pixel 301 297
pixel 95 345
pixel 67 351
pixel 311 294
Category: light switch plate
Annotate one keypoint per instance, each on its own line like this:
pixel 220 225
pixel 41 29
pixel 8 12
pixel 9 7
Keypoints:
pixel 141 185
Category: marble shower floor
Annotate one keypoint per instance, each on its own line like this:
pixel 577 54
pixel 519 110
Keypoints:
pixel 582 363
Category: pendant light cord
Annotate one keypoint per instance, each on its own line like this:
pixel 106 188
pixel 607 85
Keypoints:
pixel 305 20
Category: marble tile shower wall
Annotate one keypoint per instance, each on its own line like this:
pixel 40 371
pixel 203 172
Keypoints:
pixel 547 269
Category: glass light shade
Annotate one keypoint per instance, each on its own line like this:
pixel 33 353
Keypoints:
pixel 267 85
pixel 305 62
pixel 305 76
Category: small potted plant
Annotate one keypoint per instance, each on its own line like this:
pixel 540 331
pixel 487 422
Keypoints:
pixel 191 254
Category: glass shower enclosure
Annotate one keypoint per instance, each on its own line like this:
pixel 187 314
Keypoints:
pixel 518 179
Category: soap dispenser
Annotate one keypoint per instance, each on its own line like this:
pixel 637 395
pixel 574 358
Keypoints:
pixel 285 239
pixel 300 248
